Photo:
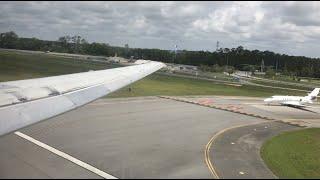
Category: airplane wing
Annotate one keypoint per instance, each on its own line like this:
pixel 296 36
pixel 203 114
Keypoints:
pixel 297 105
pixel 26 102
pixel 293 104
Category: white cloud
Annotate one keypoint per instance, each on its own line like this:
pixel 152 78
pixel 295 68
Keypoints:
pixel 258 16
pixel 140 22
pixel 236 18
pixel 277 26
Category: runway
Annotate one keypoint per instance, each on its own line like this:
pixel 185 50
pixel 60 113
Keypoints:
pixel 144 137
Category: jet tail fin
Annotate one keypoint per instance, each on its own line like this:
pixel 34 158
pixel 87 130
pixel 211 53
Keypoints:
pixel 314 93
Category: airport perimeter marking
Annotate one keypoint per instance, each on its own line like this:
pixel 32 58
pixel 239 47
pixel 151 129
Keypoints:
pixel 230 110
pixel 208 161
pixel 215 107
pixel 66 156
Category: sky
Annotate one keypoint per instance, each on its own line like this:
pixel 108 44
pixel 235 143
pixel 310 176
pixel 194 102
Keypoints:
pixel 283 27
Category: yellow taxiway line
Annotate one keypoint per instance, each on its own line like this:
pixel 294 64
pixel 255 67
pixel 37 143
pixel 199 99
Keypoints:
pixel 208 161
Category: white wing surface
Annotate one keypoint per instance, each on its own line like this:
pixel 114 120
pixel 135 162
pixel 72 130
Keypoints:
pixel 25 102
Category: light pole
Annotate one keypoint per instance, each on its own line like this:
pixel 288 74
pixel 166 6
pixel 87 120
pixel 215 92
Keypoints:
pixel 175 53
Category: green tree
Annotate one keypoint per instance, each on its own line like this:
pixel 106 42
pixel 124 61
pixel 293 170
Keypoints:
pixel 210 61
pixel 8 39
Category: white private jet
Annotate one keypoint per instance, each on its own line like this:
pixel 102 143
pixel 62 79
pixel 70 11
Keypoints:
pixel 26 102
pixel 294 101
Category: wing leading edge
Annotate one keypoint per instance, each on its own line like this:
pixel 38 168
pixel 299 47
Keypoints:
pixel 26 102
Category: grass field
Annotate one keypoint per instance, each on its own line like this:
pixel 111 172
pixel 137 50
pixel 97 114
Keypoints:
pixel 167 85
pixel 294 154
pixel 313 81
pixel 16 66
pixel 280 84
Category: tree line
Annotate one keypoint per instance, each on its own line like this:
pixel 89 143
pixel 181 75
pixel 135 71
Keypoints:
pixel 237 58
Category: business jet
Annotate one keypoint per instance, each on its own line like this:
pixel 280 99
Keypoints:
pixel 26 102
pixel 294 101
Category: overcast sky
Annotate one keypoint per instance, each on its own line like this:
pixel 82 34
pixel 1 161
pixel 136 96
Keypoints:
pixel 285 27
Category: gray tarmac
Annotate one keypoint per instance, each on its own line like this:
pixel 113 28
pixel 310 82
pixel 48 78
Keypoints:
pixel 145 137
pixel 236 152
pixel 127 138
pixel 309 116
pixel 22 159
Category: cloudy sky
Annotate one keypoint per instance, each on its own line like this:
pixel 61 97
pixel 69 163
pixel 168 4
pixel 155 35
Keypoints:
pixel 284 27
